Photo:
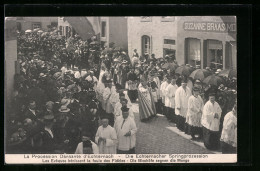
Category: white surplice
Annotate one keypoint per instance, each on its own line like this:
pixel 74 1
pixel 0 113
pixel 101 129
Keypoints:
pixel 181 101
pixel 208 120
pixel 170 95
pixel 106 97
pixel 158 83
pixel 162 90
pixel 125 143
pixel 194 113
pixel 229 131
pixel 79 149
pixel 109 133
pixel 100 89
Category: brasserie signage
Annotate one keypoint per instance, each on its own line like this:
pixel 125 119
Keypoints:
pixel 210 26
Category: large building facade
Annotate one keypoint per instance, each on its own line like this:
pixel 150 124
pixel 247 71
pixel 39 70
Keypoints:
pixel 113 30
pixel 152 35
pixel 208 41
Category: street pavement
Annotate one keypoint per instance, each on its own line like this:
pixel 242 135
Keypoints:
pixel 158 136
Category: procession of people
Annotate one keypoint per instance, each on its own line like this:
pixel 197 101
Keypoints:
pixel 73 96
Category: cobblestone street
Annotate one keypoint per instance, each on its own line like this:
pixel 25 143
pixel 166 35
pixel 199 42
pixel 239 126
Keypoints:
pixel 155 137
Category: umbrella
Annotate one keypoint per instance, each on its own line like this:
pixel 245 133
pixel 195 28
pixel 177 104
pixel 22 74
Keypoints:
pixel 94 43
pixel 54 31
pixel 35 30
pixel 44 34
pixel 183 70
pixel 28 31
pixel 172 66
pixel 191 69
pixel 229 73
pixel 213 80
pixel 199 74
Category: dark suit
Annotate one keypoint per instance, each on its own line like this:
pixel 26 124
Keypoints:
pixel 48 142
pixel 29 114
pixel 38 95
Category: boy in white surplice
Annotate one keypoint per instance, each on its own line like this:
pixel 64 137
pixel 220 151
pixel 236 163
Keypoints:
pixel 194 113
pixel 181 104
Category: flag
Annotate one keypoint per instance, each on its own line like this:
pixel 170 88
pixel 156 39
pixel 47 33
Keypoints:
pixel 86 27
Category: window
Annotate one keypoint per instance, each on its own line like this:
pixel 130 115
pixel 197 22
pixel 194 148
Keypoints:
pixel 146 19
pixel 66 31
pixel 215 54
pixel 146 45
pixel 169 41
pixel 103 31
pixel 54 24
pixel 36 25
pixel 167 19
pixel 192 51
pixel 60 30
pixel 170 52
pixel 19 26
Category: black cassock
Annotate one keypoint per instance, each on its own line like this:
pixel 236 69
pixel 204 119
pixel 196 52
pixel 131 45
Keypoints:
pixel 132 92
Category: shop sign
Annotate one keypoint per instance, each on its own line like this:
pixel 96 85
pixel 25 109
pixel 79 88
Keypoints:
pixel 220 27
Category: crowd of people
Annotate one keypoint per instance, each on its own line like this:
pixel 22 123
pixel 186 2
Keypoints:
pixel 73 96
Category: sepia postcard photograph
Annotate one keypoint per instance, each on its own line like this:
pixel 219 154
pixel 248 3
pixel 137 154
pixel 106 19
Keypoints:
pixel 120 89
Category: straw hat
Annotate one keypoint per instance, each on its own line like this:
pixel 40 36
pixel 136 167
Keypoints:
pixel 64 109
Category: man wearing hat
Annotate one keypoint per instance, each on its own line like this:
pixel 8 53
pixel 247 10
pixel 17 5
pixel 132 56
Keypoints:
pixel 131 84
pixel 181 104
pixel 106 137
pixel 49 108
pixel 210 121
pixel 135 54
pixel 32 112
pixel 170 100
pixel 126 129
pixel 48 141
pixel 66 130
pixel 194 113
pixel 37 94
